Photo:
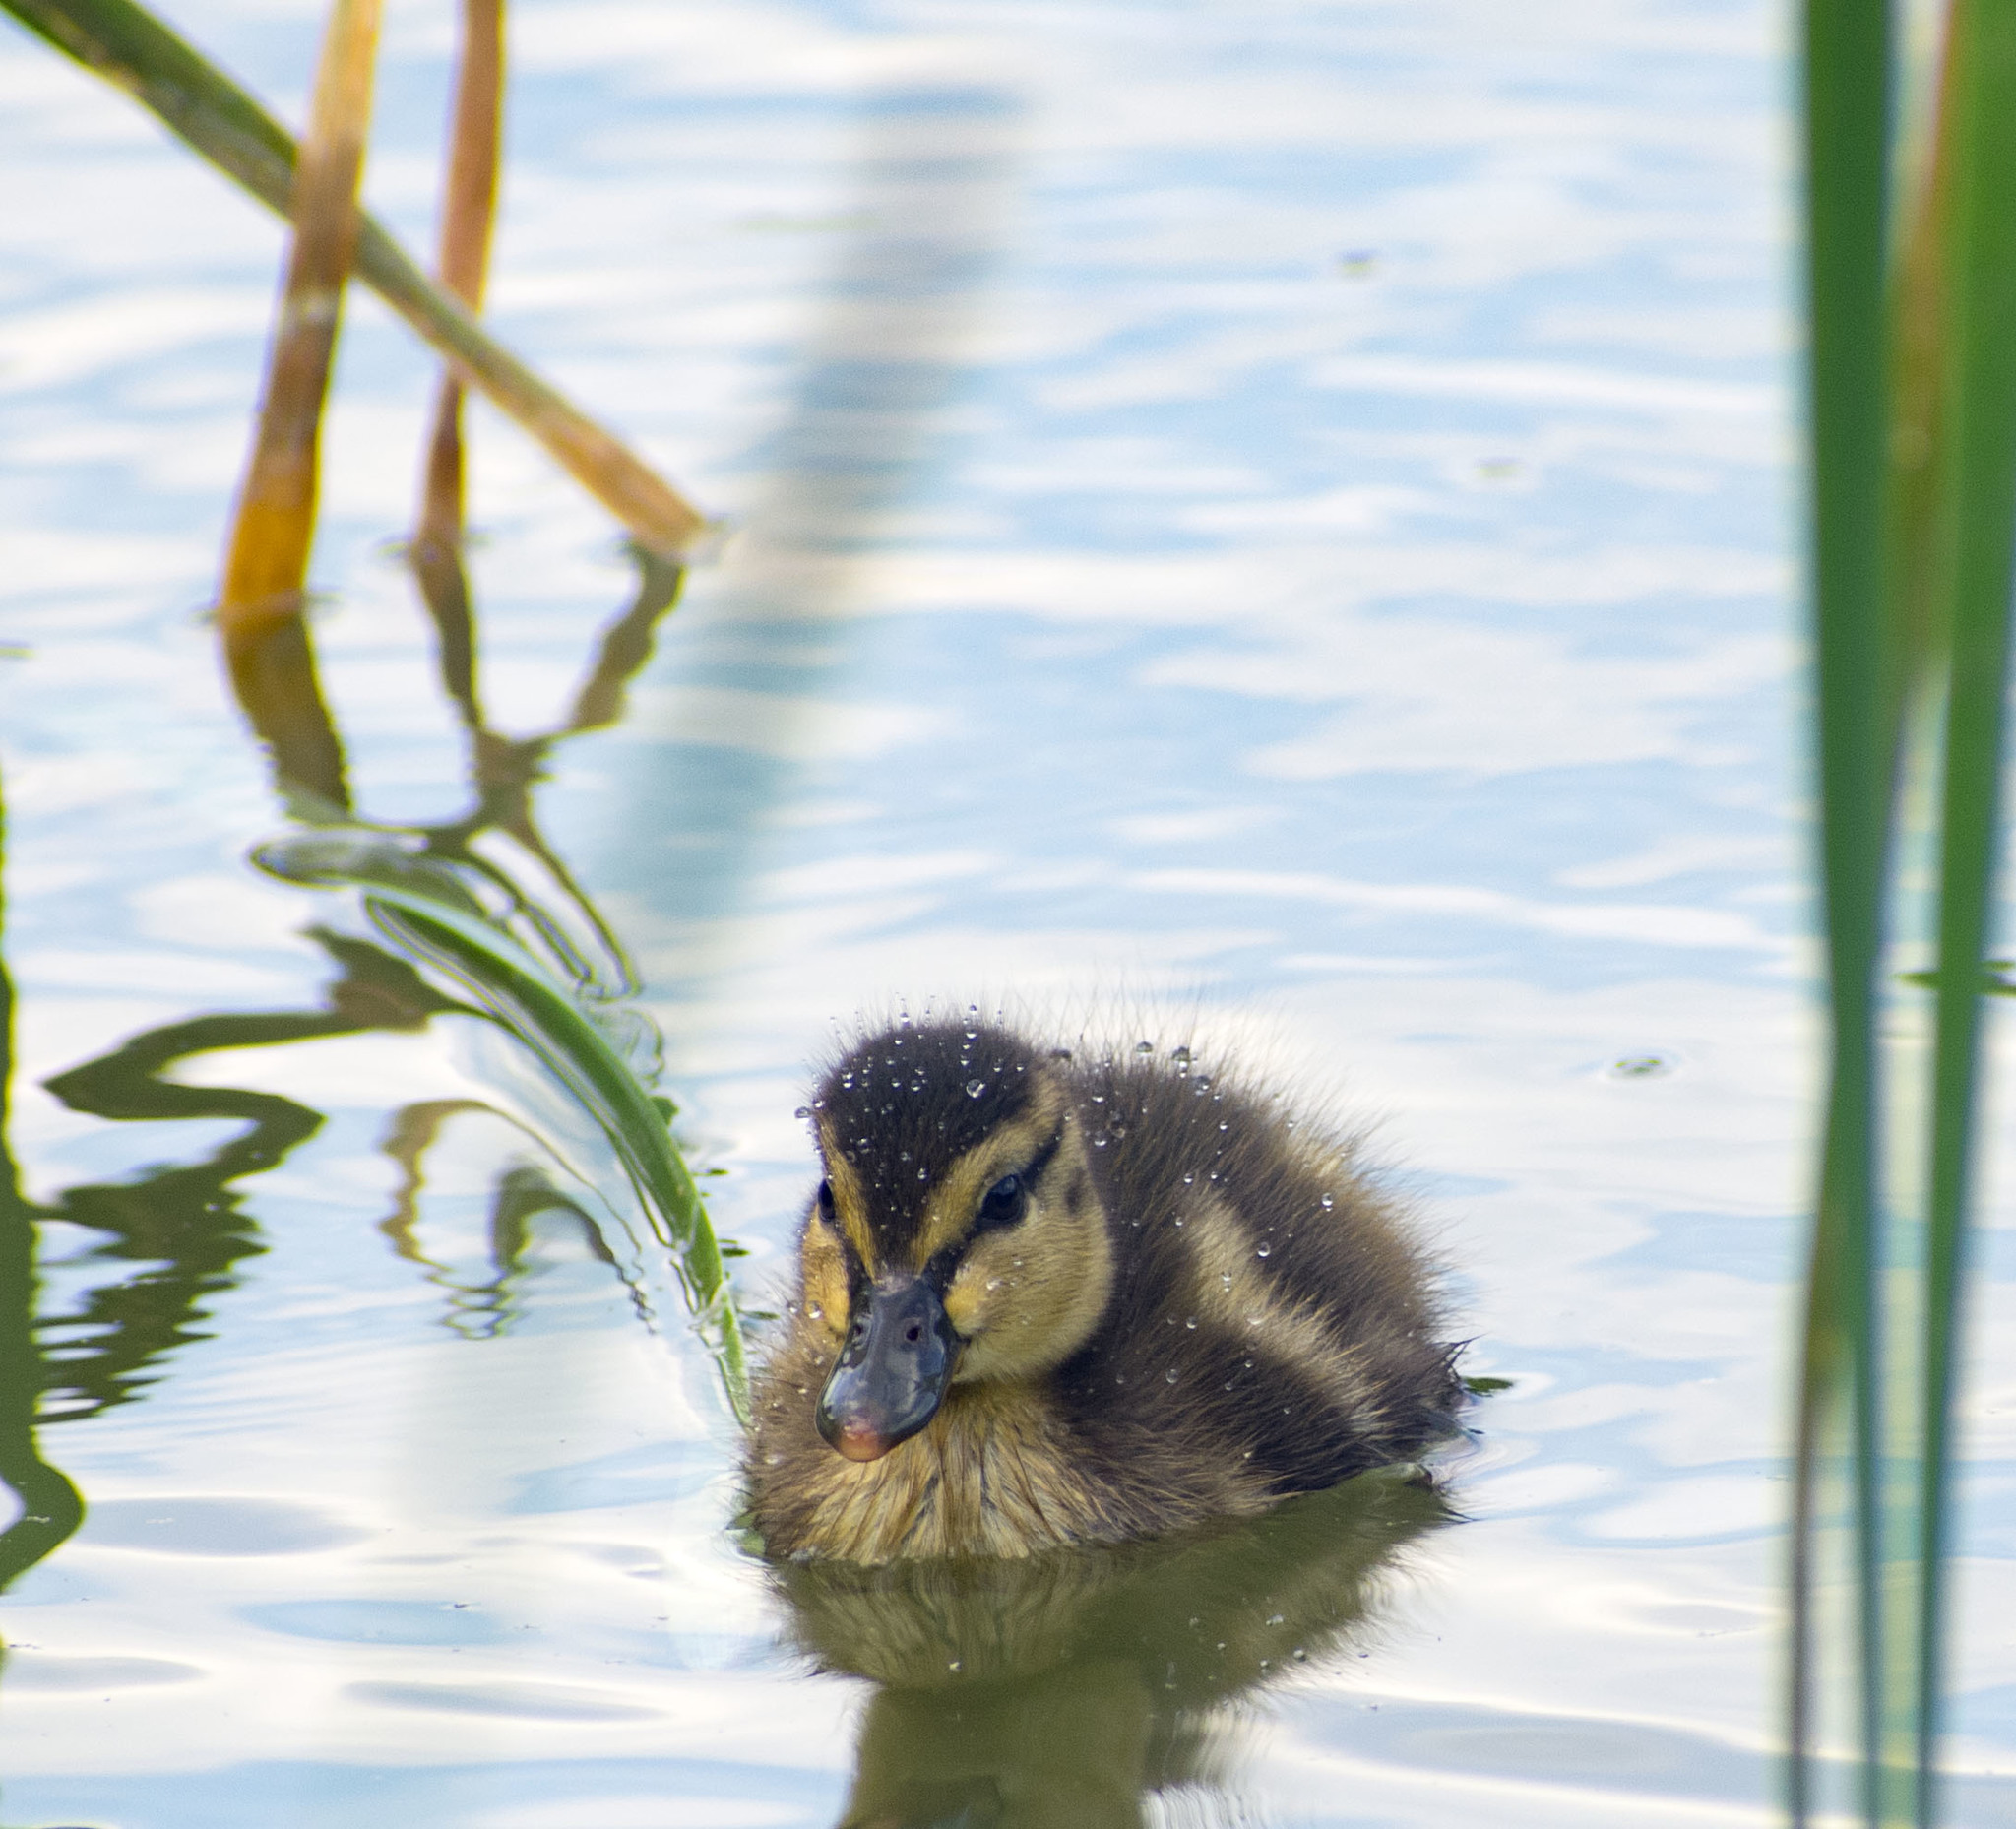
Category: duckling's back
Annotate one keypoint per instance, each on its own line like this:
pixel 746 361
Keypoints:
pixel 1272 1328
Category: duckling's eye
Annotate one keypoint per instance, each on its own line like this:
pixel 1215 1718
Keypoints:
pixel 1005 1203
pixel 826 1201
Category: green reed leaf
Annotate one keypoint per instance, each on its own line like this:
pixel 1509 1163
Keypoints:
pixel 1914 511
pixel 442 923
pixel 1847 113
pixel 1977 516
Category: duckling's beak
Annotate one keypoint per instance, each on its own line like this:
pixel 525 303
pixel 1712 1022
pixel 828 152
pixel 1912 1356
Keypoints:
pixel 891 1373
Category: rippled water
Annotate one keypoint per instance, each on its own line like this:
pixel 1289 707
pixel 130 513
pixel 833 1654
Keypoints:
pixel 1274 511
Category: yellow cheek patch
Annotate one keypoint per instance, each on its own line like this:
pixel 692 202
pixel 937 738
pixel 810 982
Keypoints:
pixel 965 1304
pixel 850 1199
pixel 824 1277
pixel 1029 1297
pixel 989 1288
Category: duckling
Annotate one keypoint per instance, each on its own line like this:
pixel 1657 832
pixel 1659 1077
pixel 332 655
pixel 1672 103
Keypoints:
pixel 1046 1302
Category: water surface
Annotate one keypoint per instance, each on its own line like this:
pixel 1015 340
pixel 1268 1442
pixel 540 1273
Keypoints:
pixel 1275 516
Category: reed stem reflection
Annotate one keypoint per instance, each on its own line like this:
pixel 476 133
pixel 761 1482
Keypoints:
pixel 170 1238
pixel 51 1508
pixel 181 1229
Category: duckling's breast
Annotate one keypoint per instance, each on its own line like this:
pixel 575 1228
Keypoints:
pixel 997 1472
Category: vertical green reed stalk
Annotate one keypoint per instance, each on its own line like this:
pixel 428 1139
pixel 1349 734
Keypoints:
pixel 1912 383
pixel 1847 105
pixel 1977 465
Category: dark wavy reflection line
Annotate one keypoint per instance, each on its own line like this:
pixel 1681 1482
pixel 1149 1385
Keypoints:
pixel 185 1223
pixel 504 771
pixel 271 669
pixel 477 1310
pixel 626 645
pixel 51 1508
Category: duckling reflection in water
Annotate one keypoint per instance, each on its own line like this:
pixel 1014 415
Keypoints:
pixel 1046 1302
pixel 1060 1691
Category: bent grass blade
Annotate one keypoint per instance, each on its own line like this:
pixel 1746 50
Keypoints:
pixel 131 50
pixel 441 924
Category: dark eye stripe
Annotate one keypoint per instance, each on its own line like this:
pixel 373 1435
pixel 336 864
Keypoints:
pixel 939 1270
pixel 1042 1159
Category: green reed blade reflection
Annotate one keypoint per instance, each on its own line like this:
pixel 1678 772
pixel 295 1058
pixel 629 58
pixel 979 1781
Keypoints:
pixel 185 1228
pixel 133 51
pixel 505 769
pixel 480 1309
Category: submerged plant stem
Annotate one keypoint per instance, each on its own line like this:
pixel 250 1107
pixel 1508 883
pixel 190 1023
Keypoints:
pixel 261 606
pixel 268 563
pixel 468 216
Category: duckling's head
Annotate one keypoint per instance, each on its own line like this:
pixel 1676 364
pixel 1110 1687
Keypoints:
pixel 958 1235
